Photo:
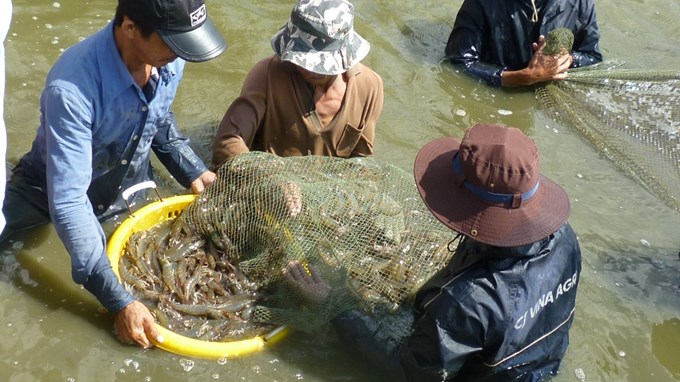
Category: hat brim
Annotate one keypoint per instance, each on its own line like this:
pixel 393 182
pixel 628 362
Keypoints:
pixel 486 222
pixel 329 62
pixel 201 44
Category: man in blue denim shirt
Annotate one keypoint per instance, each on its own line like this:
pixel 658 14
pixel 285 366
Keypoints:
pixel 105 106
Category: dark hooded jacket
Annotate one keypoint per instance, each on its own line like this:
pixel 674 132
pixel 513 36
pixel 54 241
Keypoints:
pixel 490 36
pixel 493 314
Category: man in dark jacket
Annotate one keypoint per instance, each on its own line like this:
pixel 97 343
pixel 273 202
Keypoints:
pixel 502 308
pixel 501 41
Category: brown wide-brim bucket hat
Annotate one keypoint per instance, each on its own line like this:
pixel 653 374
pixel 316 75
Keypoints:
pixel 489 187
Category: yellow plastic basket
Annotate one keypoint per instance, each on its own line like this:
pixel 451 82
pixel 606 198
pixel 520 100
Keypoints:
pixel 145 218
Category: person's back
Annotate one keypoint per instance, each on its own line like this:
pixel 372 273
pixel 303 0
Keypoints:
pixel 501 310
pixel 517 302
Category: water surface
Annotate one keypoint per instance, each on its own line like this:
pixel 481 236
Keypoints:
pixel 627 324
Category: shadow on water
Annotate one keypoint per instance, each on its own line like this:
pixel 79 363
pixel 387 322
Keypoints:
pixel 644 274
pixel 46 277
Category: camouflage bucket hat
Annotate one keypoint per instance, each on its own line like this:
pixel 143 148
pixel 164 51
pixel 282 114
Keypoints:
pixel 320 37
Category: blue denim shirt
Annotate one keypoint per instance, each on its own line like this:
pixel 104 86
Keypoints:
pixel 96 131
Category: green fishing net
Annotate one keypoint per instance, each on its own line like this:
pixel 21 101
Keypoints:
pixel 632 117
pixel 219 265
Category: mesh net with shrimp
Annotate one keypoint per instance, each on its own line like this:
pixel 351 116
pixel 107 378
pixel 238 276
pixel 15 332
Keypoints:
pixel 359 224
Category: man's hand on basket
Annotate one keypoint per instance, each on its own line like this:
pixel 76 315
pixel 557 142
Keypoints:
pixel 199 184
pixel 135 324
pixel 307 282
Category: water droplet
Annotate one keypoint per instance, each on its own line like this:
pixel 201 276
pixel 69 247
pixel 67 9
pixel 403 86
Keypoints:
pixel 504 112
pixel 222 361
pixel 580 374
pixel 215 376
pixel 56 5
pixel 622 353
pixel 645 243
pixel 186 364
pixel 461 113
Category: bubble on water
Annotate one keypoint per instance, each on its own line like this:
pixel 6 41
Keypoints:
pixel 645 243
pixel 299 376
pixel 275 360
pixel 222 361
pixel 460 113
pixel 34 17
pixel 48 26
pixel 579 175
pixel 186 364
pixel 256 369
pixel 580 374
pixel 618 284
pixel 622 353
pixel 504 112
pixel 70 379
pixel 215 376
pixel 56 5
pixel 147 379
pixel 26 278
pixel 9 324
pixel 131 363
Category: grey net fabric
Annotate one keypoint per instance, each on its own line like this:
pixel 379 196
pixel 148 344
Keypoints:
pixel 359 224
pixel 632 117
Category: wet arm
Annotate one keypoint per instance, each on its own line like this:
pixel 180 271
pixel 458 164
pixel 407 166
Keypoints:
pixel 465 45
pixel 586 50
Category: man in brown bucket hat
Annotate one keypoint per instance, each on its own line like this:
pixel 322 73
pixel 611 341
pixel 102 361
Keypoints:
pixel 502 308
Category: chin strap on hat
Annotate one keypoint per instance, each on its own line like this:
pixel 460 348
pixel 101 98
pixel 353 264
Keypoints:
pixel 514 200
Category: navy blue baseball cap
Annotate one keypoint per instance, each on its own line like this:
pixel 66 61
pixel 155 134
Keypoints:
pixel 183 25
